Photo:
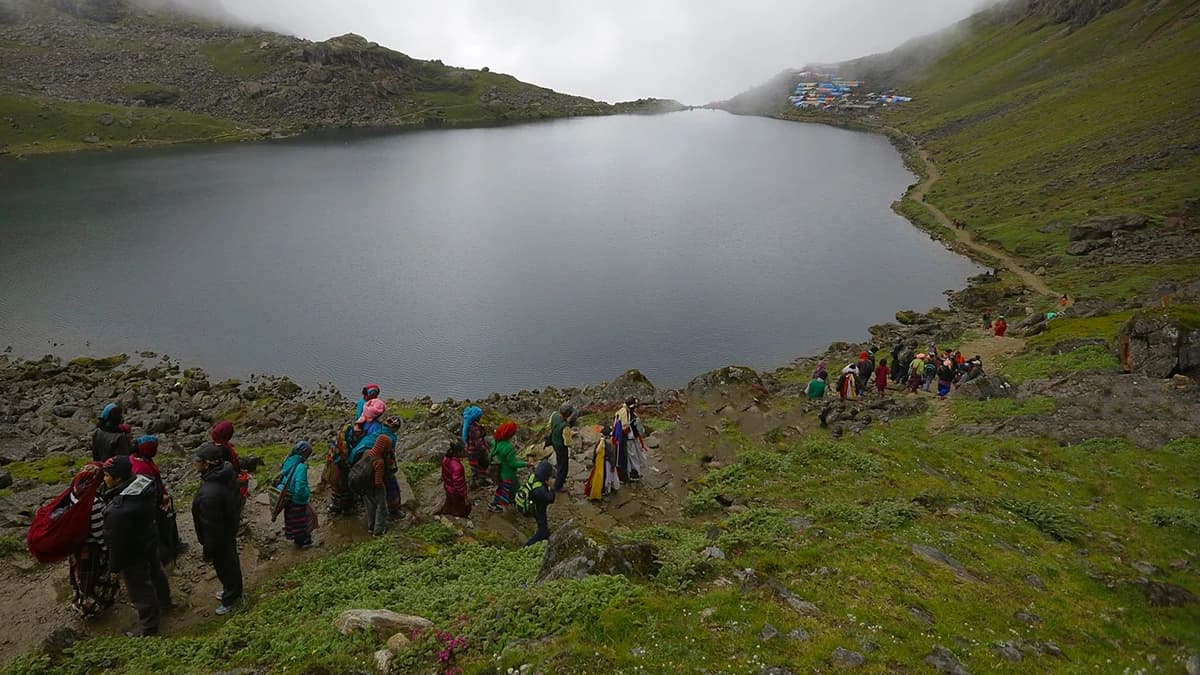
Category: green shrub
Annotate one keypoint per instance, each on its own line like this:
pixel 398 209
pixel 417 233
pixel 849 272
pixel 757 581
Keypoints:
pixel 415 471
pixel 1188 519
pixel 10 545
pixel 885 514
pixel 679 554
pixel 1051 519
pixel 757 528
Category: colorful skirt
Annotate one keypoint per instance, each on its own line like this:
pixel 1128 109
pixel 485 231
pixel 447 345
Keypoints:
pixel 342 499
pixel 504 493
pixel 456 505
pixel 93 588
pixel 298 523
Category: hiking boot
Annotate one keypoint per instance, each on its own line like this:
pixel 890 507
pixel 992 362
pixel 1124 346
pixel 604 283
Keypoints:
pixel 220 595
pixel 224 609
pixel 495 508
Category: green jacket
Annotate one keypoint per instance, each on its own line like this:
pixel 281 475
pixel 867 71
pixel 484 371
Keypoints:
pixel 557 424
pixel 502 453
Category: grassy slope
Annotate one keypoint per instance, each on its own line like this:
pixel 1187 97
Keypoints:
pixel 1033 124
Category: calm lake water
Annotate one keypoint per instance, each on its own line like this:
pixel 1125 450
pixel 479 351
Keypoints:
pixel 458 263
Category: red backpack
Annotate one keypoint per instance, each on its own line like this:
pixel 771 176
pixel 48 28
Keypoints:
pixel 60 528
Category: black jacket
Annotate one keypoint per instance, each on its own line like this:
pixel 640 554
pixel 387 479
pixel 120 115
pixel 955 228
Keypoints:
pixel 109 443
pixel 130 529
pixel 217 509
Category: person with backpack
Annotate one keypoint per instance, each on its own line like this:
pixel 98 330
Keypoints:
pixel 217 512
pixel 474 438
pixel 930 371
pixel 132 538
pixel 298 519
pixel 534 499
pixel 454 483
pixel 222 434
pixel 93 586
pixel 505 457
pixel 946 374
pixel 108 440
pixel 170 545
pixel 559 423
pixel 367 476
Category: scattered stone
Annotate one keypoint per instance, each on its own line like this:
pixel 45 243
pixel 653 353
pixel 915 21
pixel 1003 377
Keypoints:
pixel 1035 581
pixel 1007 651
pixel 1027 618
pixel 1178 564
pixel 638 651
pixel 799 635
pixel 1162 343
pixel 385 623
pixel 105 119
pixel 398 642
pixel 1047 649
pixel 1103 227
pixel 713 553
pixel 573 553
pixel 768 632
pixel 383 660
pixel 707 613
pixel 944 661
pixel 921 615
pixel 847 659
pixel 986 388
pixel 1147 569
pixel 1161 594
pixel 91 138
pixel 935 556
pixel 799 523
pixel 6 479
pixel 59 640
pixel 794 602
pixel 1193 664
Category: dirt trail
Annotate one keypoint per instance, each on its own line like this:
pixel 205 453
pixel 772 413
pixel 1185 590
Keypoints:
pixel 965 237
pixel 994 351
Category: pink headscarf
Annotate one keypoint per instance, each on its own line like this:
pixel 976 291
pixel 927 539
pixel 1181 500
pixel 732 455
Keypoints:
pixel 371 410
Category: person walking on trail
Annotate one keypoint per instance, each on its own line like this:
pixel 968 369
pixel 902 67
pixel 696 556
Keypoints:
pixel 882 374
pixel 816 387
pixel 916 373
pixel 380 459
pixel 1000 327
pixel 559 423
pixel 93 585
pixel 298 519
pixel 474 438
pixel 222 436
pixel 945 375
pixel 847 385
pixel 132 538
pixel 216 512
pixel 369 393
pixel 866 367
pixel 170 545
pixel 108 440
pixel 454 482
pixel 987 320
pixel 505 457
pixel 901 364
pixel 540 498
pixel 627 435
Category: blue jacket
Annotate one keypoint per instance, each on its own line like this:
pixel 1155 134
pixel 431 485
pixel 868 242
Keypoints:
pixel 297 486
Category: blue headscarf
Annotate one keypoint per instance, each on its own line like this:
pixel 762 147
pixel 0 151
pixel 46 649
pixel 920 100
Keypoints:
pixel 471 414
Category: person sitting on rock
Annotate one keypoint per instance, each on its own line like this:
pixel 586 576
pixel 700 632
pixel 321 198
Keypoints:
pixel 505 456
pixel 108 440
pixel 216 513
pixel 974 369
pixel 474 438
pixel 542 496
pixel 454 482
pixel 132 538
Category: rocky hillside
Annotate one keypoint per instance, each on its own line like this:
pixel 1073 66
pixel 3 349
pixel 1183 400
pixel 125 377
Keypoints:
pixel 80 73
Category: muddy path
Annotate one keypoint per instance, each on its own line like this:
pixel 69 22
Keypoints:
pixel 994 351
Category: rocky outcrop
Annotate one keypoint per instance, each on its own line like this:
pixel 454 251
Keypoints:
pixel 575 554
pixel 383 622
pixel 631 383
pixel 1162 342
pixel 104 11
pixel 1074 12
pixel 986 388
pixel 1104 227
pixel 721 377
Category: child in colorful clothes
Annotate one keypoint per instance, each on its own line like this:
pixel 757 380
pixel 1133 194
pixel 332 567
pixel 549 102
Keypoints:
pixel 542 497
pixel 882 373
pixel 916 373
pixel 93 587
pixel 505 456
pixel 474 438
pixel 297 524
pixel 454 482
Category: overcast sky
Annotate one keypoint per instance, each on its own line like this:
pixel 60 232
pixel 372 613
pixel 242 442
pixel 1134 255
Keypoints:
pixel 692 50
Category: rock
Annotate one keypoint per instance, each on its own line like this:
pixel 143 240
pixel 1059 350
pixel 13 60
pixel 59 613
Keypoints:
pixel 1027 618
pixel 631 383
pixel 1103 227
pixel 794 602
pixel 383 660
pixel 799 635
pixel 1161 594
pixel 847 659
pixel 768 632
pixel 91 138
pixel 713 553
pixel 398 642
pixel 1007 651
pixel 5 479
pixel 1078 248
pixel 125 123
pixel 1193 664
pixel 105 119
pixel 287 389
pixel 1035 581
pixel 986 388
pixel 385 623
pixel 573 553
pixel 935 556
pixel 908 317
pixel 921 615
pixel 1163 341
pixel 774 670
pixel 1145 568
pixel 721 377
pixel 59 640
pixel 944 661
pixel 250 89
pixel 318 75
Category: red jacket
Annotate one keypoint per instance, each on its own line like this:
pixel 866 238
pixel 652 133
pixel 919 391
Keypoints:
pixel 454 478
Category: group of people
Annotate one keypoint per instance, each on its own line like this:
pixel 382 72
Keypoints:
pixel 911 371
pixel 132 530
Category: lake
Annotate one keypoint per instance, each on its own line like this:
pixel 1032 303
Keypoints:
pixel 463 262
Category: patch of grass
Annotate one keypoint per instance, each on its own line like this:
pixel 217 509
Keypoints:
pixel 1188 519
pixel 241 58
pixel 43 125
pixel 998 408
pixel 1066 329
pixel 757 528
pixel 415 471
pixel 10 545
pixel 52 470
pixel 1051 519
pixel 884 514
pixel 1032 365
pixel 679 554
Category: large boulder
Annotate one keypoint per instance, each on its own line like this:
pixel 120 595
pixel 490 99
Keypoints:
pixel 574 554
pixel 631 383
pixel 383 622
pixel 986 388
pixel 743 375
pixel 1162 342
pixel 1103 227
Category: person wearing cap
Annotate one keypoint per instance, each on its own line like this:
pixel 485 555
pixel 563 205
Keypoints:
pixel 132 538
pixel 108 440
pixel 559 422
pixel 382 457
pixel 169 543
pixel 369 393
pixel 216 512
pixel 627 433
pixel 505 457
